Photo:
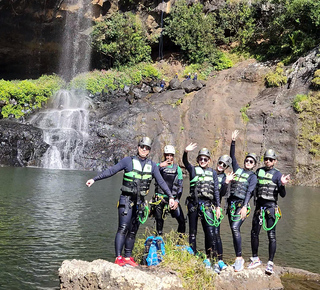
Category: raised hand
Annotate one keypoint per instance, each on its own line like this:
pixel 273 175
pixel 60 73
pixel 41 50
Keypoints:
pixel 230 176
pixel 191 147
pixel 235 134
pixel 285 179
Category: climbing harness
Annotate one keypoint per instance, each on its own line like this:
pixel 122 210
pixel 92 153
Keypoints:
pixel 262 219
pixel 143 212
pixel 212 222
pixel 237 217
pixel 157 200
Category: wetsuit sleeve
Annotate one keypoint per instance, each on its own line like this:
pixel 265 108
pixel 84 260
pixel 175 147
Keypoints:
pixel 188 166
pixel 252 185
pixel 216 189
pixel 180 183
pixel 124 163
pixel 277 180
pixel 235 165
pixel 224 187
pixel 160 181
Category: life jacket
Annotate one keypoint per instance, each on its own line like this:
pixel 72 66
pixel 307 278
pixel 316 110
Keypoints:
pixel 240 184
pixel 137 181
pixel 266 189
pixel 170 176
pixel 202 185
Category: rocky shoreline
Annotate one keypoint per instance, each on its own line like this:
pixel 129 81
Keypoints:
pixel 100 274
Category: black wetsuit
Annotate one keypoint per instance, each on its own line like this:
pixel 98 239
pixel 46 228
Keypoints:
pixel 235 223
pixel 194 211
pixel 127 209
pixel 223 189
pixel 269 206
pixel 159 208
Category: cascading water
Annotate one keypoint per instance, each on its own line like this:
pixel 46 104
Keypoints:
pixel 65 121
pixel 65 128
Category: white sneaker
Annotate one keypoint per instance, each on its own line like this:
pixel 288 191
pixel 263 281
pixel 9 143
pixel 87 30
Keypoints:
pixel 255 262
pixel 269 269
pixel 239 265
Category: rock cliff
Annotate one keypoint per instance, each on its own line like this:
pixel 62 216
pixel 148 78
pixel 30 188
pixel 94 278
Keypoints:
pixel 207 116
pixel 101 274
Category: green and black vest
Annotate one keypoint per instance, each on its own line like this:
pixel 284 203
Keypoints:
pixel 202 185
pixel 138 180
pixel 266 189
pixel 240 184
pixel 170 176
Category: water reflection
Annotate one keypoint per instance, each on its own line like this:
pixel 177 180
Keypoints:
pixel 47 216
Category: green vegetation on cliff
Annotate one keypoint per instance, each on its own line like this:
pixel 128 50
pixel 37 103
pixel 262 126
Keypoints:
pixel 308 107
pixel 22 97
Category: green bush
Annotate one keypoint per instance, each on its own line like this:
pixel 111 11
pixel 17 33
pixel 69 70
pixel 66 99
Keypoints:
pixel 22 97
pixel 316 80
pixel 298 101
pixel 277 77
pixel 121 40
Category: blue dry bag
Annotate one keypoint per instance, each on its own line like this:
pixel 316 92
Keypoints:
pixel 154 249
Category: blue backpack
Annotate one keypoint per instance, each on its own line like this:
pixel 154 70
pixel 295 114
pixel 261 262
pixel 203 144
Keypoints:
pixel 154 250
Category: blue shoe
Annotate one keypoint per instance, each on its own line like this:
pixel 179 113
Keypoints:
pixel 239 265
pixel 222 265
pixel 207 264
pixel 255 262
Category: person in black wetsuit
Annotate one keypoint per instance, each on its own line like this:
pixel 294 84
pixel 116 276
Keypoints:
pixel 138 173
pixel 172 175
pixel 271 183
pixel 241 189
pixel 204 192
pixel 224 179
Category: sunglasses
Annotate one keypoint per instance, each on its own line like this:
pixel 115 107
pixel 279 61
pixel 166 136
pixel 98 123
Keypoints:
pixel 249 160
pixel 203 159
pixel 145 147
pixel 222 164
pixel 268 159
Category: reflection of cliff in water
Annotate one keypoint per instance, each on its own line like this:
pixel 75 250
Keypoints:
pixel 65 127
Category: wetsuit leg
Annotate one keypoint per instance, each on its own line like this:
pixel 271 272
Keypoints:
pixel 124 223
pixel 209 234
pixel 270 219
pixel 255 231
pixel 193 225
pixel 131 236
pixel 179 216
pixel 158 212
pixel 218 243
pixel 235 229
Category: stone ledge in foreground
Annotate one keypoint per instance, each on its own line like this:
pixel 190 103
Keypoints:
pixel 101 274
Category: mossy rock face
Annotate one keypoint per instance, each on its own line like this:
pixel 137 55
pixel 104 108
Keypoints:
pixel 291 281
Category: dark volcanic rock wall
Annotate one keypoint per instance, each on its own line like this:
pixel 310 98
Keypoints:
pixel 20 144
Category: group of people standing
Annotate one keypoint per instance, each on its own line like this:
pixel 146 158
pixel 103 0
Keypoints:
pixel 207 187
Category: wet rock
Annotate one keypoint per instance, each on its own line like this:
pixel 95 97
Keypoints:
pixel 21 144
pixel 101 274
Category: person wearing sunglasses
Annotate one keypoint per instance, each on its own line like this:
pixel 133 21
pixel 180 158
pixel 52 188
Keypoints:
pixel 271 183
pixel 204 193
pixel 172 175
pixel 138 173
pixel 241 189
pixel 223 163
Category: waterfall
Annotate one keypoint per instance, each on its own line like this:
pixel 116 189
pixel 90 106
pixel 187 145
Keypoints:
pixel 65 121
pixel 65 128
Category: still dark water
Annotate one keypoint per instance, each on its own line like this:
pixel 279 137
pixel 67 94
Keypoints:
pixel 48 216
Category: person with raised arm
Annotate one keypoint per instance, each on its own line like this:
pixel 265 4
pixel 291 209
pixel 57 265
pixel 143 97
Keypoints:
pixel 204 193
pixel 138 173
pixel 241 189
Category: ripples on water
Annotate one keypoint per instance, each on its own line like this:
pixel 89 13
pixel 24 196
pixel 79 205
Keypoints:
pixel 47 216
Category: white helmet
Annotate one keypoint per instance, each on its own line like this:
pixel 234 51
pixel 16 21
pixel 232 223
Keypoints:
pixel 169 149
